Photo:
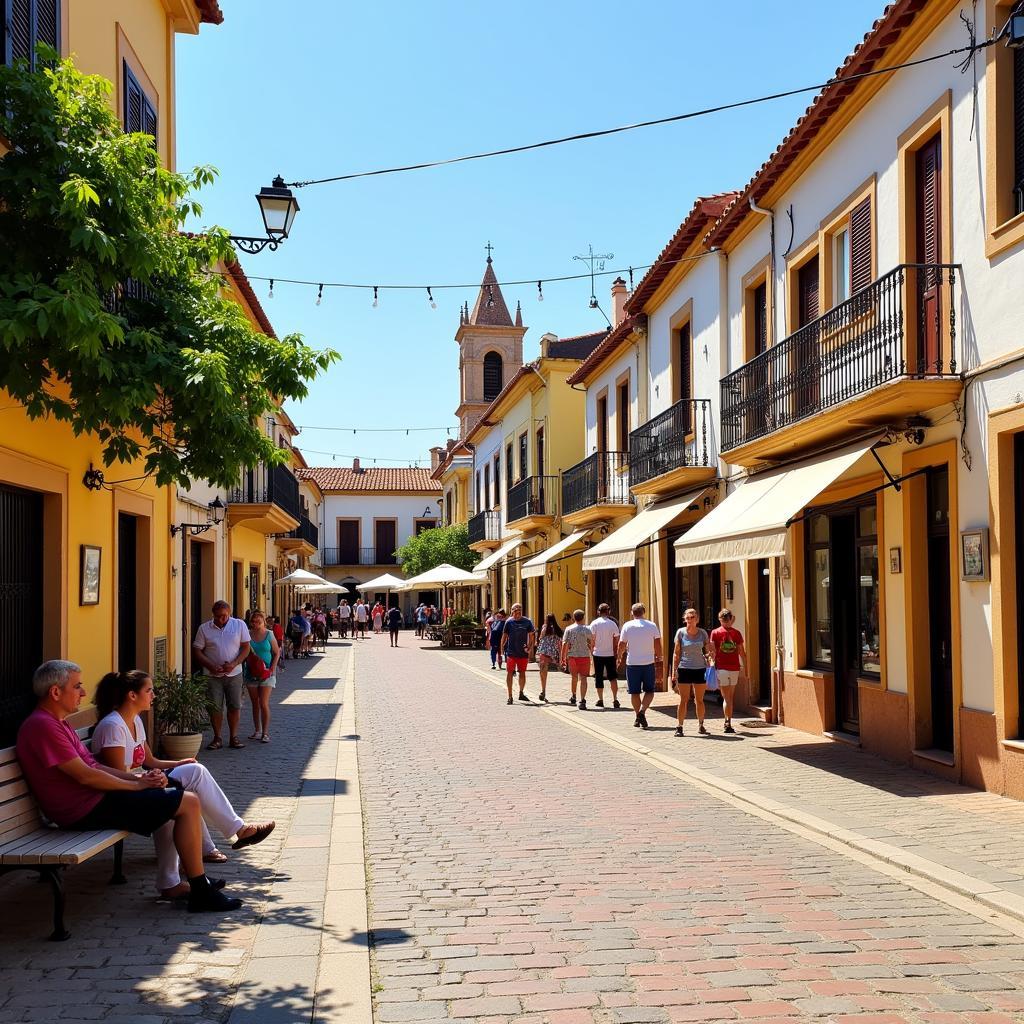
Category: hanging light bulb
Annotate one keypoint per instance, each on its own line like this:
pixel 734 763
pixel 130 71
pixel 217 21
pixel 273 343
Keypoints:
pixel 374 296
pixel 430 296
pixel 320 295
pixel 270 294
pixel 490 296
pixel 540 292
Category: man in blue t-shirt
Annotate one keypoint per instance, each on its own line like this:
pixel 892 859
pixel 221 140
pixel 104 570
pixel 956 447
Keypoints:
pixel 517 639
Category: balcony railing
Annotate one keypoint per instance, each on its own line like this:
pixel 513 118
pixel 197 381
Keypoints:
pixel 484 526
pixel 268 485
pixel 360 556
pixel 678 437
pixel 119 299
pixel 533 496
pixel 600 479
pixel 306 531
pixel 901 326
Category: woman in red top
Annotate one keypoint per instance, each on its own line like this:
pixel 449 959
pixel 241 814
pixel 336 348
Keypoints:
pixel 729 657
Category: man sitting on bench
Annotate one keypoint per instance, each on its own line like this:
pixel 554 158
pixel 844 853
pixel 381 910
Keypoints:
pixel 77 793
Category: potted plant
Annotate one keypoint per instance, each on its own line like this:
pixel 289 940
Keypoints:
pixel 181 707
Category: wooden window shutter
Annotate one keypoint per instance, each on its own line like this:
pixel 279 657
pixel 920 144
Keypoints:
pixel 807 286
pixel 18 30
pixel 48 22
pixel 860 246
pixel 149 119
pixel 685 375
pixel 928 199
pixel 133 100
pixel 760 299
pixel 1018 129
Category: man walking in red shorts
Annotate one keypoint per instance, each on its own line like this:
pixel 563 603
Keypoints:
pixel 577 647
pixel 517 639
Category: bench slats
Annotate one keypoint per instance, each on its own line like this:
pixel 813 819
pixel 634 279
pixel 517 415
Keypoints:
pixel 50 846
pixel 9 793
pixel 14 828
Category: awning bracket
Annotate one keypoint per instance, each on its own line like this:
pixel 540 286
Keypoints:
pixel 881 465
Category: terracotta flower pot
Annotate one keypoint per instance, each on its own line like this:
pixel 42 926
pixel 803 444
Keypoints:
pixel 178 746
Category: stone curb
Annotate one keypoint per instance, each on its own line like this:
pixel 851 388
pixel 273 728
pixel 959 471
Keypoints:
pixel 985 893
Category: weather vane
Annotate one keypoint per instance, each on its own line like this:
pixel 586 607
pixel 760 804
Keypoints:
pixel 595 263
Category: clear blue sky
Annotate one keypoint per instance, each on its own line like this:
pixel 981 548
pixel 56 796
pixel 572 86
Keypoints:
pixel 348 87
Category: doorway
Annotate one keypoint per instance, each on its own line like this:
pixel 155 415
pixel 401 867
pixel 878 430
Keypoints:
pixel 196 604
pixel 1018 483
pixel 845 648
pixel 762 690
pixel 604 586
pixel 940 626
pixel 127 592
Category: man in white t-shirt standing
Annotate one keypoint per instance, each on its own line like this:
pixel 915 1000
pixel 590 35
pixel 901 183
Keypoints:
pixel 344 617
pixel 220 646
pixel 640 650
pixel 606 638
pixel 362 613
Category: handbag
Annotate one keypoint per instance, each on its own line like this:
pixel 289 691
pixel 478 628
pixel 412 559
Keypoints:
pixel 711 677
pixel 256 667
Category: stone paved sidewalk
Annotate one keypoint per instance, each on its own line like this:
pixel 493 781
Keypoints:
pixel 135 960
pixel 524 872
pixel 969 840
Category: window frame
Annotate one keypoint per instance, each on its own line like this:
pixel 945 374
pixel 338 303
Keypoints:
pixel 622 411
pixel 483 374
pixel 834 224
pixel 524 455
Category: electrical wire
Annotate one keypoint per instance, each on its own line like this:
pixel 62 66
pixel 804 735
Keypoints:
pixel 410 463
pixel 378 430
pixel 689 115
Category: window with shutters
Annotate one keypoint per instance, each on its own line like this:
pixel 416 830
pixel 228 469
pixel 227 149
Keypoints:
pixel 509 467
pixel 847 248
pixel 139 112
pixel 497 478
pixel 756 309
pixel 25 23
pixel 1018 129
pixel 487 485
pixel 493 376
pixel 524 454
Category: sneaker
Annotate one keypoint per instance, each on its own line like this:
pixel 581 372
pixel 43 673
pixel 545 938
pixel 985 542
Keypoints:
pixel 643 721
pixel 599 703
pixel 636 722
pixel 728 726
pixel 702 730
pixel 679 730
pixel 583 705
pixel 572 700
pixel 493 667
pixel 616 704
pixel 510 701
pixel 522 696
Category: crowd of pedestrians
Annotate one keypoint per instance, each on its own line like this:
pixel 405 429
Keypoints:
pixel 700 661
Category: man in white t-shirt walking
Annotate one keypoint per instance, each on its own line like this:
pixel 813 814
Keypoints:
pixel 640 650
pixel 220 646
pixel 362 613
pixel 606 638
pixel 344 617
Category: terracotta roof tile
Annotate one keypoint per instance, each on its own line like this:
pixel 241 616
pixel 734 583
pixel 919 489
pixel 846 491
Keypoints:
pixel 393 478
pixel 578 347
pixel 613 340
pixel 496 314
pixel 242 284
pixel 210 12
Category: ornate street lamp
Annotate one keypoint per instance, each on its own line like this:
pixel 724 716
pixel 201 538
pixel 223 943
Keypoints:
pixel 278 206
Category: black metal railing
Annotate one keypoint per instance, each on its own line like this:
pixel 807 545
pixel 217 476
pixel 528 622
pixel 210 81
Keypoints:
pixel 901 326
pixel 533 496
pixel 268 485
pixel 306 531
pixel 484 526
pixel 680 436
pixel 360 556
pixel 120 299
pixel 600 479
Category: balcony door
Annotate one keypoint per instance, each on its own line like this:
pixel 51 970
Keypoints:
pixel 385 540
pixel 807 370
pixel 928 218
pixel 127 594
pixel 348 542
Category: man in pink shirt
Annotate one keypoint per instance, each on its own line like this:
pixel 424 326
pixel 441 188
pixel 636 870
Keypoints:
pixel 78 793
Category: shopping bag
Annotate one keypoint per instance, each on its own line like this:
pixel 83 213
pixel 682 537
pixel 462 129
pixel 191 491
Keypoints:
pixel 711 677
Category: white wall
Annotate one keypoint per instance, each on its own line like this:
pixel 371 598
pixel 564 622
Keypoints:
pixel 367 507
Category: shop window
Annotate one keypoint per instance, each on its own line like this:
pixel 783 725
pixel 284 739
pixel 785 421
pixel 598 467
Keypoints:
pixel 819 607
pixel 868 597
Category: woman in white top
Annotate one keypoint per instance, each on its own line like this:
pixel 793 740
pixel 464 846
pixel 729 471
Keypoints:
pixel 119 741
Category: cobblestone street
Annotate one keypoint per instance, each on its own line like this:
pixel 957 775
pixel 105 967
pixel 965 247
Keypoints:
pixel 525 871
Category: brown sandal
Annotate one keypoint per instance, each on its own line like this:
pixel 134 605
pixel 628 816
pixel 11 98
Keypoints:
pixel 215 745
pixel 257 835
pixel 215 857
pixel 236 743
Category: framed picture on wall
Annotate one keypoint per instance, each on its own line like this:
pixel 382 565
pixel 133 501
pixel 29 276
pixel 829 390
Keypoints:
pixel 895 560
pixel 974 554
pixel 89 578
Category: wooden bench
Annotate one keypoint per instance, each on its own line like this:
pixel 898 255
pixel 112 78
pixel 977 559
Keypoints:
pixel 27 844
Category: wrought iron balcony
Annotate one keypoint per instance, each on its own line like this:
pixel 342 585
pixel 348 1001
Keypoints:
pixel 533 496
pixel 268 485
pixel 677 438
pixel 600 479
pixel 903 326
pixel 484 526
pixel 359 556
pixel 306 531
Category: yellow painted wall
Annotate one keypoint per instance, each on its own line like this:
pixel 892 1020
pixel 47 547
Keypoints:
pixel 250 548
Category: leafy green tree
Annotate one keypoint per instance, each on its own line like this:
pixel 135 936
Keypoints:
pixel 443 544
pixel 112 318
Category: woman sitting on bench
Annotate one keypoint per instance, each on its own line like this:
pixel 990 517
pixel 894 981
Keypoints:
pixel 119 741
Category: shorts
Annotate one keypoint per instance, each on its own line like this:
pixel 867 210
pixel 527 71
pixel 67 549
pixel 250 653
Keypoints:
pixel 141 812
pixel 640 678
pixel 394 630
pixel 516 664
pixel 581 666
pixel 728 677
pixel 690 676
pixel 604 667
pixel 225 690
pixel 270 681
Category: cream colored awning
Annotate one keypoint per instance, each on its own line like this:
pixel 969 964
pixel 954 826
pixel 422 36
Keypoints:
pixel 496 556
pixel 537 565
pixel 618 549
pixel 752 522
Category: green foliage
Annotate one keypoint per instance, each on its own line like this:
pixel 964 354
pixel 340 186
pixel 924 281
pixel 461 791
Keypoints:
pixel 167 370
pixel 435 547
pixel 462 620
pixel 181 704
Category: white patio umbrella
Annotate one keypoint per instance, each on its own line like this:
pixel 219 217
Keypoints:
pixel 443 575
pixel 385 582
pixel 319 588
pixel 298 577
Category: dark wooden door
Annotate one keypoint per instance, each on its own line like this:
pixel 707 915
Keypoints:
pixel 684 388
pixel 254 587
pixel 385 541
pixel 348 542
pixel 197 611
pixel 21 604
pixel 928 254
pixel 806 354
pixel 1018 463
pixel 763 689
pixel 939 610
pixel 127 593
pixel 843 584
